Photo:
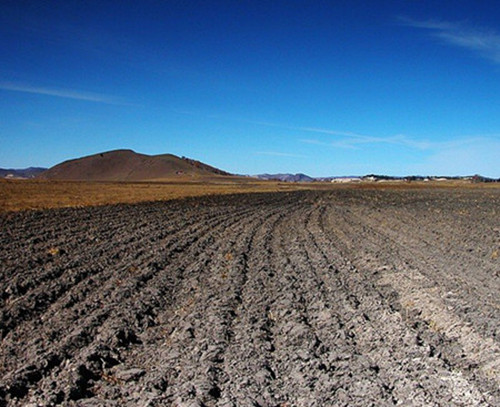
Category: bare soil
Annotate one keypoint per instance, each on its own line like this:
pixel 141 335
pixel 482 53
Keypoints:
pixel 348 297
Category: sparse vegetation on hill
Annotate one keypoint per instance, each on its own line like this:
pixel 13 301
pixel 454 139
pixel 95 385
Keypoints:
pixel 200 165
pixel 127 165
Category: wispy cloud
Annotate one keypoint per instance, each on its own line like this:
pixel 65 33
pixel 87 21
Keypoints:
pixel 341 139
pixel 345 144
pixel 64 93
pixel 280 154
pixel 467 156
pixel 480 40
pixel 350 140
pixel 357 142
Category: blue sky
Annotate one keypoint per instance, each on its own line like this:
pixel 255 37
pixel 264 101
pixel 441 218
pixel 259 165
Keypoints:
pixel 320 87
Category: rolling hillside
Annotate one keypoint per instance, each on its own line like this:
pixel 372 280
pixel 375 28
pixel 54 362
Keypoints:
pixel 127 165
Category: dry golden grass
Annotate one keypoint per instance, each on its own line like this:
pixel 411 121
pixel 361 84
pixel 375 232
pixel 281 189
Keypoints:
pixel 18 195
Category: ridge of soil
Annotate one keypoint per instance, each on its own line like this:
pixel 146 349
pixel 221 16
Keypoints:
pixel 349 297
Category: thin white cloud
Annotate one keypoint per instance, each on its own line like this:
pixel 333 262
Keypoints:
pixel 358 141
pixel 345 144
pixel 348 139
pixel 473 155
pixel 279 154
pixel 352 140
pixel 315 142
pixel 355 141
pixel 482 41
pixel 466 155
pixel 63 93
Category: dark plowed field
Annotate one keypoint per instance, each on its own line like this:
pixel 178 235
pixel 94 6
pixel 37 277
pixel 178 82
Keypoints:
pixel 343 298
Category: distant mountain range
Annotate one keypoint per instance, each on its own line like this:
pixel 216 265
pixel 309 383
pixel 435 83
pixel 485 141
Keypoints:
pixel 24 173
pixel 369 178
pixel 285 177
pixel 127 165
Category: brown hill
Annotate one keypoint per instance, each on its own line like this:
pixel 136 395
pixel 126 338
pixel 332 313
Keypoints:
pixel 127 165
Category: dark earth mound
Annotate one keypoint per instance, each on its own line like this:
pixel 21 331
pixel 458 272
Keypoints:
pixel 344 298
pixel 127 165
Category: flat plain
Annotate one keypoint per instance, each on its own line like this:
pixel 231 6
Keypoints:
pixel 346 296
pixel 18 195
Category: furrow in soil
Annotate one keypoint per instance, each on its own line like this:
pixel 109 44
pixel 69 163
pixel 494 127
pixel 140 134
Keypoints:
pixel 351 297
